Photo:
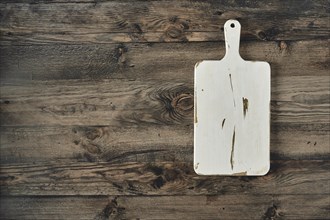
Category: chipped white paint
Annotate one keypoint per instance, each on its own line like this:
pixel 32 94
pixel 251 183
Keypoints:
pixel 232 113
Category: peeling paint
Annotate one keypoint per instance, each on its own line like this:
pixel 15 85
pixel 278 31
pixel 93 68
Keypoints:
pixel 232 150
pixel 218 86
pixel 195 119
pixel 231 83
pixel 196 65
pixel 195 115
pixel 223 122
pixel 232 89
pixel 240 173
pixel 245 105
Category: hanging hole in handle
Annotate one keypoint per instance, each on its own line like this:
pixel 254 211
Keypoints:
pixel 232 25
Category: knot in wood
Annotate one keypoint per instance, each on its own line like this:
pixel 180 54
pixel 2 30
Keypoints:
pixel 119 53
pixel 183 102
pixel 173 19
pixel 283 45
pixel 262 35
pixel 174 32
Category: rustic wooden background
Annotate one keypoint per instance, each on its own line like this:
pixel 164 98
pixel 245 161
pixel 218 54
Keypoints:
pixel 97 109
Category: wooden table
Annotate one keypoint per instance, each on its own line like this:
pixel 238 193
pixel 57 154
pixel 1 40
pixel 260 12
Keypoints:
pixel 97 109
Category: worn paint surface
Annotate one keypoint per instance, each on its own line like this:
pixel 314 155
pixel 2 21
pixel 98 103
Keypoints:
pixel 235 93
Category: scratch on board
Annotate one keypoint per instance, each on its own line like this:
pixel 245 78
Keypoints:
pixel 231 83
pixel 245 105
pixel 240 174
pixel 232 150
pixel 223 122
pixel 196 166
pixel 232 88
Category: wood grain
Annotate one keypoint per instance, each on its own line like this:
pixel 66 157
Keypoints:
pixel 159 21
pixel 122 102
pixel 160 178
pixel 96 109
pixel 151 143
pixel 157 61
pixel 265 207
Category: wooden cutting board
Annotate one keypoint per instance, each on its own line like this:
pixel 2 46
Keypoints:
pixel 232 112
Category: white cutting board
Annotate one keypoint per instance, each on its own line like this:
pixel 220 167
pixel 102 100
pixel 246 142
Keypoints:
pixel 232 112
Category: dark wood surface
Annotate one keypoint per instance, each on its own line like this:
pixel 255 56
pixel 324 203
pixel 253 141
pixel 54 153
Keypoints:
pixel 96 109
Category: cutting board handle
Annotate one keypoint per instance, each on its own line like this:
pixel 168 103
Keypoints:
pixel 232 30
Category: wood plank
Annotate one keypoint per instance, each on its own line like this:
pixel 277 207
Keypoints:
pixel 160 178
pixel 159 21
pixel 143 144
pixel 136 103
pixel 96 110
pixel 160 61
pixel 108 144
pixel 167 207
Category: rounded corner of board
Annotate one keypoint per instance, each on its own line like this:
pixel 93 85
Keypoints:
pixel 198 63
pixel 197 171
pixel 268 66
pixel 264 172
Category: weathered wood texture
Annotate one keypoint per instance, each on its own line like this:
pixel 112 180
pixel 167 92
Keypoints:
pixel 157 61
pixel 125 102
pixel 149 143
pixel 167 207
pixel 96 109
pixel 171 178
pixel 165 21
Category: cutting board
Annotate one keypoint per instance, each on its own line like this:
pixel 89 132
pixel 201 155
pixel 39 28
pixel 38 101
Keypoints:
pixel 232 112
